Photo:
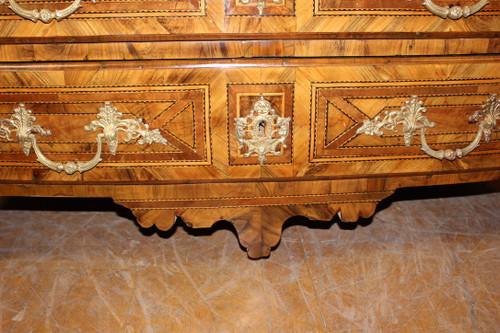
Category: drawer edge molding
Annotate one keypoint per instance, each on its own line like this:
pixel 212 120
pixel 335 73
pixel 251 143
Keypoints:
pixel 411 117
pixel 44 15
pixel 109 119
pixel 455 12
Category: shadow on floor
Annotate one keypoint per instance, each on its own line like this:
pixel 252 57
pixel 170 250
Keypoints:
pixel 107 205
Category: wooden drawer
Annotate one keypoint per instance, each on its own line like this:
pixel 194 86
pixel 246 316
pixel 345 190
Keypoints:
pixel 153 19
pixel 65 102
pixel 345 115
pixel 334 102
pixel 195 109
pixel 160 30
pixel 325 164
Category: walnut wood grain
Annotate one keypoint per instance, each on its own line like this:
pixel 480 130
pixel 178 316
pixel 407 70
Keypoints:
pixel 267 206
pixel 255 36
pixel 194 105
pixel 139 18
pixel 190 68
pixel 248 48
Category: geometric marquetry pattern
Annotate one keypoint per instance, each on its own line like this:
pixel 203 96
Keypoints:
pixel 180 113
pixel 382 8
pixel 119 8
pixel 241 100
pixel 339 111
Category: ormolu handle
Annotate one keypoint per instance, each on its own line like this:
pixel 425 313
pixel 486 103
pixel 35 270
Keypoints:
pixel 110 121
pixel 412 118
pixel 44 15
pixel 454 12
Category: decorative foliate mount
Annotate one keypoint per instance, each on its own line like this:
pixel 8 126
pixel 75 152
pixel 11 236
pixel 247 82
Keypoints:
pixel 44 15
pixel 109 119
pixel 412 118
pixel 261 4
pixel 454 12
pixel 262 131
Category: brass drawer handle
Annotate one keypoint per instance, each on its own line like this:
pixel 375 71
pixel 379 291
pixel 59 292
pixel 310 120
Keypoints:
pixel 454 12
pixel 110 121
pixel 412 118
pixel 44 15
pixel 261 4
pixel 262 131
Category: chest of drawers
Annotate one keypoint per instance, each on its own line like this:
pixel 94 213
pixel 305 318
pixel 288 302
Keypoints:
pixel 249 111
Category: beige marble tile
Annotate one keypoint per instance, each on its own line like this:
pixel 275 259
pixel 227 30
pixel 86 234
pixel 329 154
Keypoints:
pixel 480 271
pixel 399 273
pixel 225 292
pixel 385 287
pixel 74 301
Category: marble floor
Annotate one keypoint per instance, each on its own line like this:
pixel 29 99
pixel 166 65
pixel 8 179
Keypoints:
pixel 429 261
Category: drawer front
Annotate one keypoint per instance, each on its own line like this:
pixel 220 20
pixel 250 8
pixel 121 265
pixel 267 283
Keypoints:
pixel 446 96
pixel 245 120
pixel 180 112
pixel 401 16
pixel 161 19
pixel 78 106
pixel 340 111
pixel 397 8
pixel 126 9
pixel 334 102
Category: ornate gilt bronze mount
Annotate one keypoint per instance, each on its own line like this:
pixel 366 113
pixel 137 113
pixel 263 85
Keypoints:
pixel 261 4
pixel 454 12
pixel 262 131
pixel 109 119
pixel 44 15
pixel 412 118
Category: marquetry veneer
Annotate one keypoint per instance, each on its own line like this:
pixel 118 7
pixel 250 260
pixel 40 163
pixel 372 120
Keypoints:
pixel 219 110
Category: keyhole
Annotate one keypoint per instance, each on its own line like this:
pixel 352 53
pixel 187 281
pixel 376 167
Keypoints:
pixel 262 128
